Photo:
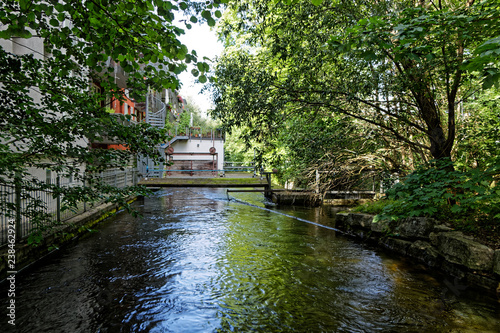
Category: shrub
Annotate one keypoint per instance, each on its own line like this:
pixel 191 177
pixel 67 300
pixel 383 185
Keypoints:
pixel 437 190
pixel 374 207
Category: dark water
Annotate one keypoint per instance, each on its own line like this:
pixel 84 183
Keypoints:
pixel 197 263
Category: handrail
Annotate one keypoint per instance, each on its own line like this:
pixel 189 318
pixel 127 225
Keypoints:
pixel 156 118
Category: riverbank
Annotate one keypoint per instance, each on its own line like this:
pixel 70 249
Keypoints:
pixel 435 245
pixel 26 254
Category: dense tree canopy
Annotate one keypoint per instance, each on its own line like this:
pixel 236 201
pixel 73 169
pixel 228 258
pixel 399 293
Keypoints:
pixel 406 86
pixel 51 52
pixel 400 68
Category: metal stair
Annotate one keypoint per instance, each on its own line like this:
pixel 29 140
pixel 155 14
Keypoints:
pixel 155 116
pixel 155 111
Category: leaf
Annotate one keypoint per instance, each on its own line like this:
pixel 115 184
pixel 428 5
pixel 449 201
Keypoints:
pixel 317 2
pixel 369 55
pixel 203 79
pixel 206 14
pixel 491 80
pixel 193 19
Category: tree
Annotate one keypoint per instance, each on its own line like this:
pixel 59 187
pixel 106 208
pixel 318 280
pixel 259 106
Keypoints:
pixel 50 114
pixel 397 66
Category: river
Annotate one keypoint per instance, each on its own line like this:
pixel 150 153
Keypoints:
pixel 198 262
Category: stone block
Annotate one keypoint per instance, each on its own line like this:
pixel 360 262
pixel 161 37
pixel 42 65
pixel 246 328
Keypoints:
pixel 360 220
pixel 397 245
pixel 496 262
pixel 415 227
pixel 457 249
pixel 442 228
pixel 341 220
pixel 424 252
pixel 382 226
pixel 433 238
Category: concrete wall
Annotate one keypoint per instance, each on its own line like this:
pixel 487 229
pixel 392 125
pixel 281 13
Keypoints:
pixel 198 149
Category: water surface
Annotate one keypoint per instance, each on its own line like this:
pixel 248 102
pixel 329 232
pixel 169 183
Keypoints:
pixel 196 262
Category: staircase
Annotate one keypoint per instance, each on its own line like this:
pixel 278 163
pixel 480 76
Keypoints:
pixel 155 116
pixel 155 111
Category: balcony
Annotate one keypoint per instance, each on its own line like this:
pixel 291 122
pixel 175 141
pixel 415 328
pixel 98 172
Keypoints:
pixel 103 139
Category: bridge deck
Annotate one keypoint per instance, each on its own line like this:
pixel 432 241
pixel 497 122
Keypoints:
pixel 204 182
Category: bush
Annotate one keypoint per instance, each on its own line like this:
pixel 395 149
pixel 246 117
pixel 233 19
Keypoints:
pixel 437 190
pixel 374 207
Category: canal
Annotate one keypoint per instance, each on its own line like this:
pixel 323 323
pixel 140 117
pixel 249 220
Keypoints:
pixel 197 262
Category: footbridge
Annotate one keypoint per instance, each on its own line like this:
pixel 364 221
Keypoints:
pixel 225 182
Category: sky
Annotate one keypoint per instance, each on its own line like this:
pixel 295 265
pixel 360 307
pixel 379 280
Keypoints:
pixel 204 41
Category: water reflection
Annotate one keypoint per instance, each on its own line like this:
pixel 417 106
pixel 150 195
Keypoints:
pixel 195 262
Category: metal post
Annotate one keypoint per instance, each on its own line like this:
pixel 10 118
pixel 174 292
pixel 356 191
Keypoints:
pixel 58 200
pixel 84 202
pixel 18 189
pixel 147 107
pixel 317 181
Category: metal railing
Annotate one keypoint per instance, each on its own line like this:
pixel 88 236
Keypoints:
pixel 155 111
pixel 196 132
pixel 240 167
pixel 22 200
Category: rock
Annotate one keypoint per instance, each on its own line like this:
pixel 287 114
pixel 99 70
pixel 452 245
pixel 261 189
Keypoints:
pixel 360 220
pixel 382 226
pixel 485 282
pixel 397 245
pixel 415 227
pixel 442 228
pixel 341 220
pixel 496 262
pixel 433 238
pixel 424 252
pixel 457 249
pixel 345 221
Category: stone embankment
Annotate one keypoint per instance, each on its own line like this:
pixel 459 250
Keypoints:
pixel 429 242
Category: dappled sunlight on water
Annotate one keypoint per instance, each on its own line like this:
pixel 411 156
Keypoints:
pixel 196 262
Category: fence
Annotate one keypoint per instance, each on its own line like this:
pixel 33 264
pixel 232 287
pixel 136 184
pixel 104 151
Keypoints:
pixel 198 132
pixel 23 199
pixel 240 167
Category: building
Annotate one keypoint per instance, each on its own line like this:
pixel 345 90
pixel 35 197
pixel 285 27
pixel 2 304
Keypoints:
pixel 195 153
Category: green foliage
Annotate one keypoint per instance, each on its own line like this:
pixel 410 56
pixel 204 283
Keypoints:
pixel 398 69
pixel 193 111
pixel 235 149
pixel 478 141
pixel 49 112
pixel 184 120
pixel 374 207
pixel 437 190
